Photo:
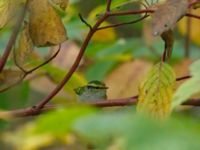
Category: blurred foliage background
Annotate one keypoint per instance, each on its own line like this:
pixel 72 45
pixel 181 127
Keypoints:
pixel 118 56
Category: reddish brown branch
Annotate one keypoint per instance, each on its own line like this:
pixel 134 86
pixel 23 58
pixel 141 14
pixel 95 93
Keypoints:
pixel 108 103
pixel 13 38
pixel 193 15
pixel 108 5
pixel 32 111
pixel 74 66
pixel 124 23
pixel 41 106
pixel 82 50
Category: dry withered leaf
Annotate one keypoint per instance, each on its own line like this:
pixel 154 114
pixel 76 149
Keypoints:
pixel 166 15
pixel 45 25
pixel 9 78
pixel 61 3
pixel 124 80
pixel 168 38
pixel 4 11
pixel 25 47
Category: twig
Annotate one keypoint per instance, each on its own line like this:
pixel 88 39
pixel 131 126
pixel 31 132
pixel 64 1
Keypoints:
pixel 41 104
pixel 107 103
pixel 108 5
pixel 124 23
pixel 192 15
pixel 84 21
pixel 13 37
pixel 45 62
pixel 183 78
pixel 30 71
pixel 32 111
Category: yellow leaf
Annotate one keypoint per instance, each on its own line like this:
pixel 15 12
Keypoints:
pixel 105 35
pixel 45 26
pixel 156 91
pixel 195 27
pixel 61 3
pixel 9 78
pixel 25 47
pixel 4 12
pixel 25 138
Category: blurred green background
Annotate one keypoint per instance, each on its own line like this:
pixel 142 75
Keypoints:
pixel 118 56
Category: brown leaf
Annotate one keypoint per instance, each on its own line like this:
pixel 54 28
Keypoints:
pixel 62 3
pixel 25 47
pixel 124 81
pixel 4 11
pixel 45 26
pixel 166 15
pixel 9 78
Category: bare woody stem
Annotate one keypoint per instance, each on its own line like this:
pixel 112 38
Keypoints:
pixel 42 105
pixel 74 66
pixel 13 38
pixel 93 29
pixel 109 103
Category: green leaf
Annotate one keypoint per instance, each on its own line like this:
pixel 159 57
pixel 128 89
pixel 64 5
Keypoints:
pixel 189 87
pixel 57 74
pixel 15 97
pixel 105 129
pixel 59 122
pixel 99 70
pixel 156 91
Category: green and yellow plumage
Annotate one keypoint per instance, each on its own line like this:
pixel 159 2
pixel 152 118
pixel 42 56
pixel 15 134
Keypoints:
pixel 93 91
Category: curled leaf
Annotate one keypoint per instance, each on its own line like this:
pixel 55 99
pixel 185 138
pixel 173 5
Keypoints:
pixel 155 92
pixel 25 47
pixel 45 26
pixel 166 15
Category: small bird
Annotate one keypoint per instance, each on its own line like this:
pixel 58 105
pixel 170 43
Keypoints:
pixel 92 92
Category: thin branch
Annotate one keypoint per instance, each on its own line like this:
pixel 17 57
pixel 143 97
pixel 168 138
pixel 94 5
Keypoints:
pixel 192 15
pixel 41 104
pixel 32 111
pixel 13 37
pixel 84 21
pixel 116 102
pixel 108 5
pixel 45 62
pixel 124 23
pixel 183 78
pixel 28 72
pixel 107 103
